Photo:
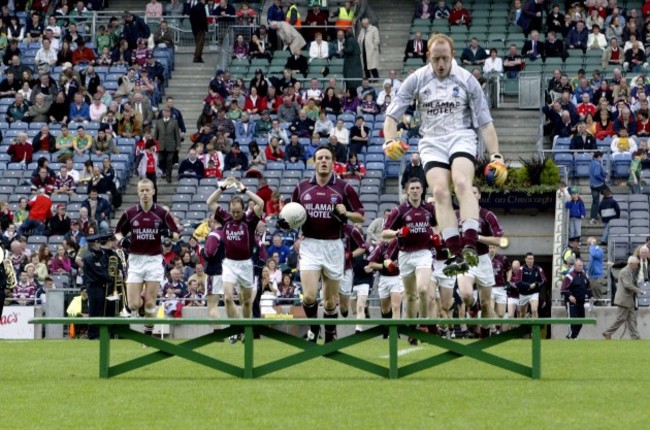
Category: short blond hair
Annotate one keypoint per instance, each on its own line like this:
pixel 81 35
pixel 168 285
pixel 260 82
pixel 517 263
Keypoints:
pixel 438 38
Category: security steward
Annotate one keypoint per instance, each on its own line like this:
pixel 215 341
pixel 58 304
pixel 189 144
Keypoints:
pixel 97 279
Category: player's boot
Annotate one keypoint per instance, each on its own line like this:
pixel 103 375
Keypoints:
pixel 455 266
pixel 485 332
pixel 312 334
pixel 233 339
pixel 470 255
pixel 330 336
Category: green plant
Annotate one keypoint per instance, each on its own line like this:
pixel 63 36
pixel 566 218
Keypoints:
pixel 534 167
pixel 551 173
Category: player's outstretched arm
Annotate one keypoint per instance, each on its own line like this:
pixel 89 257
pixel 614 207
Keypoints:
pixel 259 203
pixel 489 136
pixel 213 200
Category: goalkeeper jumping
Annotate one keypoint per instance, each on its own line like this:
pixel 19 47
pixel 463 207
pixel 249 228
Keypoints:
pixel 452 107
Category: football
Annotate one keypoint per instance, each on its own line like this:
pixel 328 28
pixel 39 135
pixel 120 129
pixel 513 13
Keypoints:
pixel 294 214
pixel 496 173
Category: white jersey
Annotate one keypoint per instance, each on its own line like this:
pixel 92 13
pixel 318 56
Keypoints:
pixel 446 106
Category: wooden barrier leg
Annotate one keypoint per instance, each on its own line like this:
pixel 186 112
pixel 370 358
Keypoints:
pixel 537 352
pixel 104 351
pixel 393 335
pixel 248 352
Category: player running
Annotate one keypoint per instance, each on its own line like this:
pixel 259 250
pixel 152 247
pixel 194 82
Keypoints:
pixel 384 259
pixel 146 223
pixel 330 203
pixel 355 246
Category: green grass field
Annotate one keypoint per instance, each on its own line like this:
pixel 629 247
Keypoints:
pixel 585 385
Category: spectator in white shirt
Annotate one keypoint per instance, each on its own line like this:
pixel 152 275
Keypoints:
pixel 318 48
pixel 46 54
pixel 493 63
pixel 69 162
pixel 97 108
pixel 342 134
pixel 313 92
pixel 392 80
pixel 596 39
pixel 387 91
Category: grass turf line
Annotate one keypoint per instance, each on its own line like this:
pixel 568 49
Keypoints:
pixel 586 384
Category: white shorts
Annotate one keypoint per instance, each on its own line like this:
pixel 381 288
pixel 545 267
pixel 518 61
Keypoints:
pixel 441 279
pixel 525 298
pixel 409 261
pixel 215 284
pixel 327 256
pixel 513 301
pixel 499 295
pixel 483 274
pixel 238 273
pixel 345 285
pixel 388 285
pixel 443 149
pixel 145 268
pixel 361 290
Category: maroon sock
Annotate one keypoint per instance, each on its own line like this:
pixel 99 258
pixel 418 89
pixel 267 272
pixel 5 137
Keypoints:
pixel 470 237
pixel 454 244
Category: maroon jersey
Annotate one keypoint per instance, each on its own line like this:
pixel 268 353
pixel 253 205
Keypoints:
pixel 145 228
pixel 319 203
pixel 239 236
pixel 501 265
pixel 419 220
pixel 488 225
pixel 352 240
pixel 385 251
pixel 516 277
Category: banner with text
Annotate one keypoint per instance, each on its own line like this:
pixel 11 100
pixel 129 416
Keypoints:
pixel 14 322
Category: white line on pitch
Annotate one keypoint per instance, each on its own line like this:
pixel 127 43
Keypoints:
pixel 404 352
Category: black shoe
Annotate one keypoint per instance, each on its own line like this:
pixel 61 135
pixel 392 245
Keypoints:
pixel 455 266
pixel 412 341
pixel 485 332
pixel 200 60
pixel 466 334
pixel 330 336
pixel 312 336
pixel 470 256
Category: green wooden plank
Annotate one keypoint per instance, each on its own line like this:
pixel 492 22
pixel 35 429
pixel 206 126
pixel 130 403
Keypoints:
pixel 248 352
pixel 312 350
pixel 157 356
pixel 451 355
pixel 166 350
pixel 393 365
pixel 104 351
pixel 537 352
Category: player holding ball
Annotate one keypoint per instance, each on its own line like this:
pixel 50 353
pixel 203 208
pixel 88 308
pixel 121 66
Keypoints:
pixel 452 108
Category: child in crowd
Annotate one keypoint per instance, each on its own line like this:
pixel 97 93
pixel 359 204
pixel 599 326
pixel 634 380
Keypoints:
pixel 577 212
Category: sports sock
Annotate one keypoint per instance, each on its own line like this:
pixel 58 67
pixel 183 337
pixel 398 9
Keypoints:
pixel 452 240
pixel 386 315
pixel 311 311
pixel 470 232
pixel 330 314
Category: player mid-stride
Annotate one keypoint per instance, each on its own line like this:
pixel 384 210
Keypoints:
pixel 452 107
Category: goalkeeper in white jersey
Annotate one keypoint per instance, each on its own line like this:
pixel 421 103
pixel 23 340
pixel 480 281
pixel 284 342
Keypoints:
pixel 452 108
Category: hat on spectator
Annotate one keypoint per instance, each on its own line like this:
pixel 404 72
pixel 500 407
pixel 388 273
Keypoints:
pixel 573 190
pixel 99 237
pixel 167 242
pixel 49 189
pixel 574 239
pixel 265 112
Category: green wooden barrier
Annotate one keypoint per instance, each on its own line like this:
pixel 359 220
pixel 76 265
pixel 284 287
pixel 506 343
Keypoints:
pixel 186 349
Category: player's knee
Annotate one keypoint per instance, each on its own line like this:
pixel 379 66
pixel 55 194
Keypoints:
pixel 462 185
pixel 441 194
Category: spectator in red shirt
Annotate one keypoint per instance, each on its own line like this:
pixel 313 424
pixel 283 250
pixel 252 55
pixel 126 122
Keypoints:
pixel 20 149
pixel 40 210
pixel 43 180
pixel 83 54
pixel 586 107
pixel 354 169
pixel 273 206
pixel 273 151
pixel 459 15
pixel 148 165
pixel 264 191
